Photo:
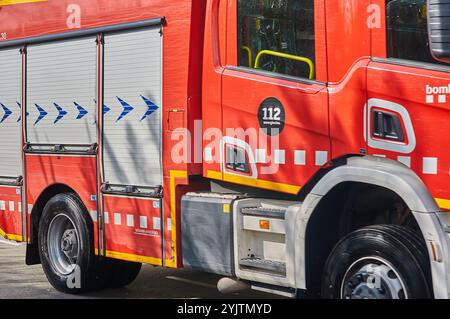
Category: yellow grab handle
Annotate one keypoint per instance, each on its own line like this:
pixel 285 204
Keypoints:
pixel 250 55
pixel 287 56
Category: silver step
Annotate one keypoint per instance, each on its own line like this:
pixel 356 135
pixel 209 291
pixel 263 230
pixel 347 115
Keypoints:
pixel 276 290
pixel 264 212
pixel 264 264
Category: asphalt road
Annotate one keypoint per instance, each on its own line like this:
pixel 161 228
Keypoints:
pixel 20 281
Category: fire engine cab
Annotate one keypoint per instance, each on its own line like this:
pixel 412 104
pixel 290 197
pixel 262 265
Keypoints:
pixel 298 147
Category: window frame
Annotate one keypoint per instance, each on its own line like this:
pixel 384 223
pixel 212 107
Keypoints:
pixel 379 50
pixel 319 48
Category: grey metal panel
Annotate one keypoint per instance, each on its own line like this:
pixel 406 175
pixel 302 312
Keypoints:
pixel 206 229
pixel 132 111
pixel 62 73
pixel 10 112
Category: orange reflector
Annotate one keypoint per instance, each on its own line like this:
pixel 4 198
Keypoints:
pixel 264 224
pixel 436 251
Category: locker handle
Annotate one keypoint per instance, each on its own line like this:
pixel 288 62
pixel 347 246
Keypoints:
pixel 131 190
pixel 11 181
pixel 71 149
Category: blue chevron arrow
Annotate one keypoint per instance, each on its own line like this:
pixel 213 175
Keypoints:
pixel 42 114
pixel 152 108
pixel 127 108
pixel 82 111
pixel 20 112
pixel 106 109
pixel 61 112
pixel 7 113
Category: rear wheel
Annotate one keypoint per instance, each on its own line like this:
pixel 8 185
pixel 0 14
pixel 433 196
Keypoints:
pixel 378 262
pixel 66 246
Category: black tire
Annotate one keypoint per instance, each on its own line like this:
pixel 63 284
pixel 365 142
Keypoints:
pixel 400 248
pixel 90 270
pixel 123 273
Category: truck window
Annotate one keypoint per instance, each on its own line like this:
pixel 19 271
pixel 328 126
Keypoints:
pixel 407 33
pixel 277 36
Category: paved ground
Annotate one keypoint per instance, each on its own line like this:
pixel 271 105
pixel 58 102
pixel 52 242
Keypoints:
pixel 20 281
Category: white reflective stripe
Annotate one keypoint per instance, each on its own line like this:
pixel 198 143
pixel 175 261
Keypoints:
pixel 442 99
pixel 300 157
pixel 169 224
pixel 2 205
pixel 321 158
pixel 406 160
pixel 117 219
pixel 430 165
pixel 430 99
pixel 379 155
pixel 19 207
pixel 156 223
pixel 106 217
pixel 130 220
pixel 261 156
pixel 280 157
pixel 30 208
pixel 143 222
pixel 11 206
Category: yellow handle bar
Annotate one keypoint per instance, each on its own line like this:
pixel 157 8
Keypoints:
pixel 287 56
pixel 250 55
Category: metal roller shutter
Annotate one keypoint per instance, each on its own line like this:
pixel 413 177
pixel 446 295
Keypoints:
pixel 10 113
pixel 61 92
pixel 132 108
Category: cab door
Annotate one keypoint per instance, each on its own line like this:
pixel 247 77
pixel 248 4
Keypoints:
pixel 409 94
pixel 274 94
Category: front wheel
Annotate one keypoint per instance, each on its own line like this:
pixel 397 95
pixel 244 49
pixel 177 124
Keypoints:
pixel 378 262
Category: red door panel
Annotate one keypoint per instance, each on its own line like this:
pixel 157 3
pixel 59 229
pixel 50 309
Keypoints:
pixel 301 148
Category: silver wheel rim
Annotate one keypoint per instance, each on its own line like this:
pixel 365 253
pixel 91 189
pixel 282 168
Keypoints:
pixel 372 278
pixel 63 244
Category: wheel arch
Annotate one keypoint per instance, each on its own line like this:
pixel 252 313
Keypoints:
pixel 320 229
pixel 32 252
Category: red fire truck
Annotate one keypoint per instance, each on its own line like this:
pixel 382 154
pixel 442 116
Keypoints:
pixel 298 147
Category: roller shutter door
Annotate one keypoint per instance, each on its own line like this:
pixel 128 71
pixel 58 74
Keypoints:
pixel 10 113
pixel 132 108
pixel 61 92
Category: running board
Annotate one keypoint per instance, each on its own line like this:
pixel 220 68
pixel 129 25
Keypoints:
pixel 276 267
pixel 264 212
pixel 280 291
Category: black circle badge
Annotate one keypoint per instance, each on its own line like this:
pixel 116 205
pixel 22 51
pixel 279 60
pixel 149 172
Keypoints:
pixel 271 116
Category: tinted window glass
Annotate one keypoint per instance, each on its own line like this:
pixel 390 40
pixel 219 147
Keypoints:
pixel 407 32
pixel 277 36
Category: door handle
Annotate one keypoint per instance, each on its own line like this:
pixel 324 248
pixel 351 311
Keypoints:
pixel 387 126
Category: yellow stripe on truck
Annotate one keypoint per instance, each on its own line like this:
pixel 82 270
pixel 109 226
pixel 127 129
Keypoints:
pixel 12 2
pixel 443 203
pixel 247 181
pixel 174 175
pixel 132 258
pixel 11 236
